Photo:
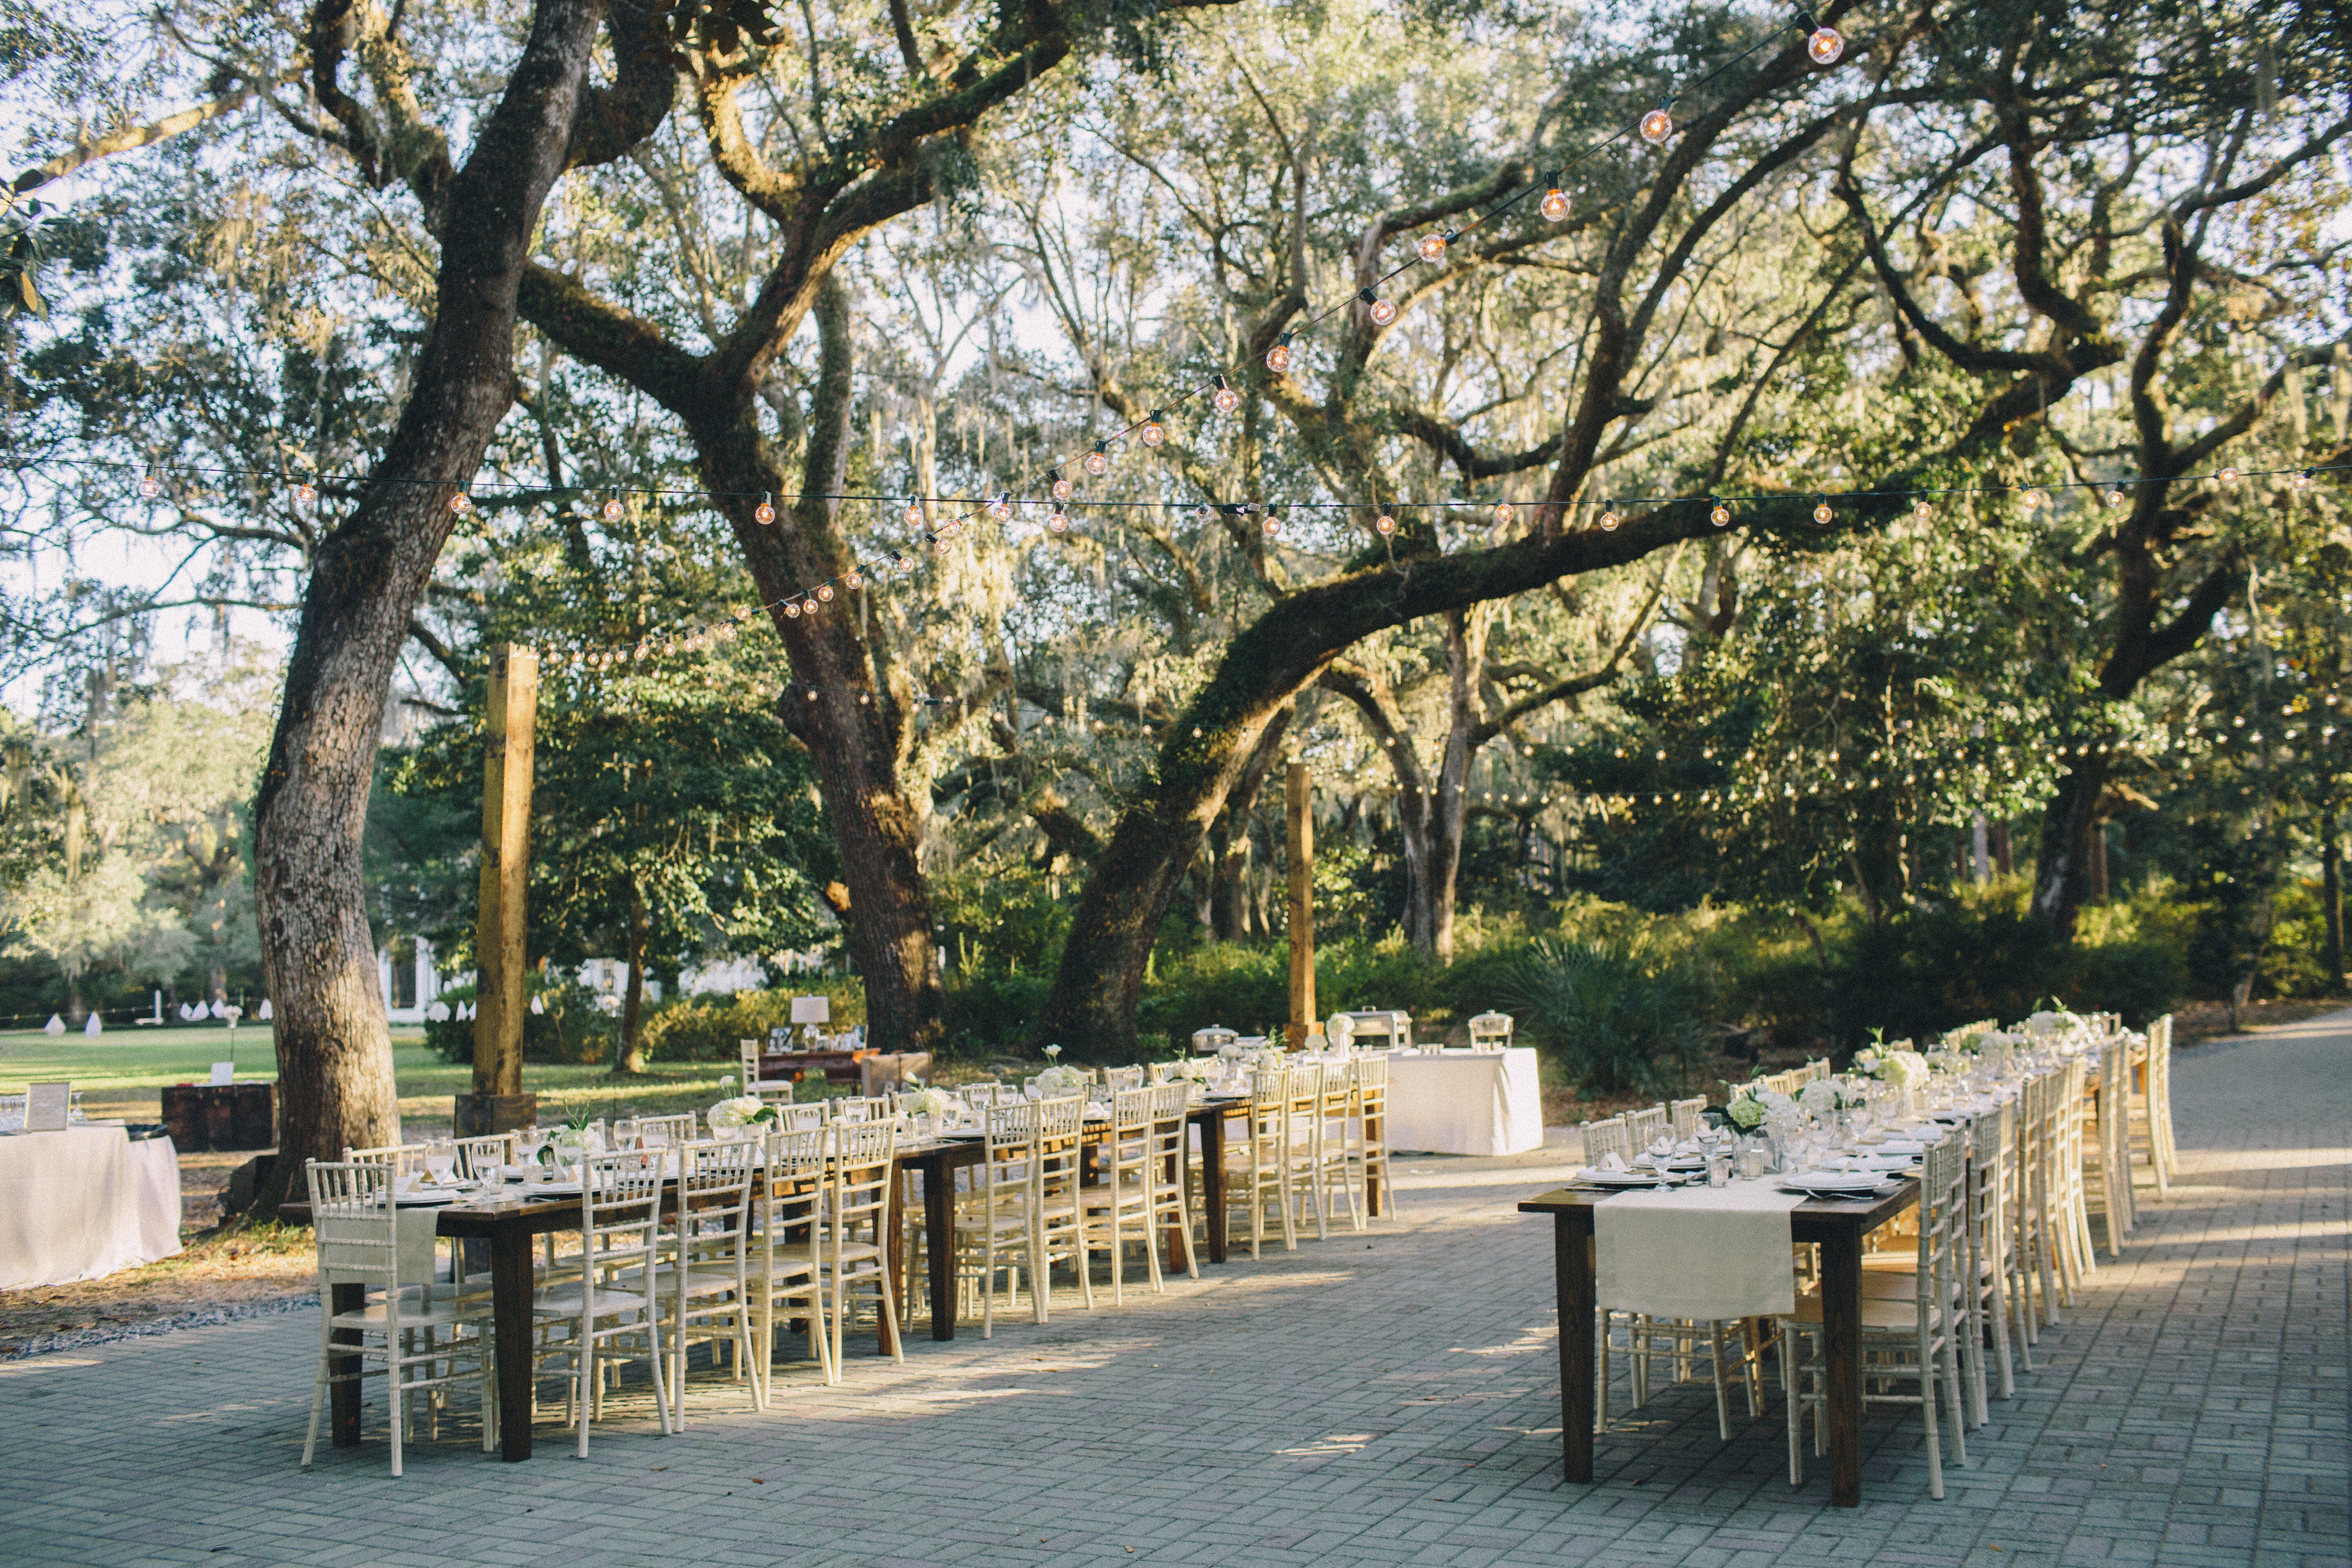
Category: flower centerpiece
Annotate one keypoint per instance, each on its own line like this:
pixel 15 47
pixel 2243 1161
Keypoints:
pixel 926 1102
pixel 740 1113
pixel 1058 1081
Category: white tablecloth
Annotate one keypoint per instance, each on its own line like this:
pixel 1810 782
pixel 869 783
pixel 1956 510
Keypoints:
pixel 1468 1103
pixel 1707 1253
pixel 85 1203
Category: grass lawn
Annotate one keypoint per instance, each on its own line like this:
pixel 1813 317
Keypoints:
pixel 122 1072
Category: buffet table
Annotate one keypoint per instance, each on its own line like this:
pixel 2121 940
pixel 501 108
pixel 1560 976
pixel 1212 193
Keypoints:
pixel 85 1203
pixel 1466 1102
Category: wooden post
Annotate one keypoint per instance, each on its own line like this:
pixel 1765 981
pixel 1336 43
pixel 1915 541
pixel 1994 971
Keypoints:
pixel 1301 822
pixel 500 965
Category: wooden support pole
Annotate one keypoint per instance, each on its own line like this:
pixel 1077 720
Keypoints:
pixel 1300 813
pixel 500 967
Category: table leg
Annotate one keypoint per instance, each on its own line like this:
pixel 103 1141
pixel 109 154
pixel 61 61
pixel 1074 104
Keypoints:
pixel 511 1320
pixel 1212 1183
pixel 893 1258
pixel 938 1238
pixel 345 1429
pixel 1180 1242
pixel 1572 1269
pixel 1842 1358
pixel 1372 1177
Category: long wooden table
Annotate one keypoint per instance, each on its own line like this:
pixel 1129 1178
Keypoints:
pixel 1836 1228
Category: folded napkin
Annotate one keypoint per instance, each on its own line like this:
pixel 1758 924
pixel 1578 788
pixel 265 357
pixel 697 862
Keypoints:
pixel 1611 1162
pixel 1697 1252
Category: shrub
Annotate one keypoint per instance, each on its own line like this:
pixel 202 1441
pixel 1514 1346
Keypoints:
pixel 989 1014
pixel 1618 1015
pixel 705 1028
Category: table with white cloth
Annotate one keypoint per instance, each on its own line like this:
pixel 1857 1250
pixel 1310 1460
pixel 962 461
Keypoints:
pixel 1675 1230
pixel 1466 1102
pixel 85 1203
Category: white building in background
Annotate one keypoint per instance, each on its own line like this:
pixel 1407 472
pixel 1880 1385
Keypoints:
pixel 412 986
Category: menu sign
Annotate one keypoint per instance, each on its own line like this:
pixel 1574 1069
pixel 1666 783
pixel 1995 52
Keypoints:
pixel 47 1106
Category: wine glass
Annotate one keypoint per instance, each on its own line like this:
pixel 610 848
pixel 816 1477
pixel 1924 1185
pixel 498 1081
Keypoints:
pixel 441 1162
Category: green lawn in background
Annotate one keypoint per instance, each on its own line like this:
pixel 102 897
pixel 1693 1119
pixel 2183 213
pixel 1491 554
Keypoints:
pixel 123 1072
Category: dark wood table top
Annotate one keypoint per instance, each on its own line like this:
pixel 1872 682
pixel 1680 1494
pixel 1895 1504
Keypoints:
pixel 1814 1215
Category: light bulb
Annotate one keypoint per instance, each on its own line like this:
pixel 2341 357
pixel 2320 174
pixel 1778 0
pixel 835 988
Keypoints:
pixel 1384 523
pixel 1554 206
pixel 1057 521
pixel 1000 511
pixel 1277 358
pixel 1608 521
pixel 1822 512
pixel 1505 512
pixel 950 528
pixel 1097 462
pixel 2228 476
pixel 1920 509
pixel 305 494
pixel 825 592
pixel 2303 481
pixel 614 510
pixel 1720 515
pixel 792 608
pixel 149 486
pixel 1062 487
pixel 763 513
pixel 2031 500
pixel 1153 433
pixel 1225 399
pixel 1383 311
pixel 853 579
pixel 1825 45
pixel 1272 523
pixel 808 607
pixel 1431 248
pixel 2114 498
pixel 1656 126
pixel 913 514
pixel 461 503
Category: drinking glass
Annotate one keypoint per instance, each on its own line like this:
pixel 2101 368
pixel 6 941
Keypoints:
pixel 441 1162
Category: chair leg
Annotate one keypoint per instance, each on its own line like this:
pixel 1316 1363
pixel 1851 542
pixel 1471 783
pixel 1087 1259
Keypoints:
pixel 1794 1406
pixel 1927 1411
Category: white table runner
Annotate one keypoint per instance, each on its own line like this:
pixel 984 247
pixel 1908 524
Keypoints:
pixel 83 1203
pixel 1697 1252
pixel 1470 1102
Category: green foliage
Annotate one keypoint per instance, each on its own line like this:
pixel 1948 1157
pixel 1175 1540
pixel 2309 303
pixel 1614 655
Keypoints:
pixel 707 1029
pixel 1619 1014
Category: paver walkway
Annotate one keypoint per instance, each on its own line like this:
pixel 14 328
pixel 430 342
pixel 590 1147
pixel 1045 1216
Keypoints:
pixel 1388 1398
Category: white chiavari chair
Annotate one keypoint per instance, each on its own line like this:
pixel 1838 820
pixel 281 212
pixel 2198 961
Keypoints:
pixel 2150 1130
pixel 1257 1167
pixel 2071 1119
pixel 705 1275
pixel 788 1207
pixel 2037 1211
pixel 1122 1194
pixel 855 1107
pixel 1369 1131
pixel 357 1231
pixel 994 1218
pixel 776 1093
pixel 1303 1130
pixel 853 1245
pixel 657 1131
pixel 2106 1145
pixel 1171 1158
pixel 1060 1214
pixel 1687 1117
pixel 1645 1127
pixel 747 1056
pixel 1122 1078
pixel 609 1307
pixel 1911 1335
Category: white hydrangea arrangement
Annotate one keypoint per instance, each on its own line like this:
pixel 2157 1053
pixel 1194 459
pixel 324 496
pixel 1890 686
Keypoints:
pixel 1755 1106
pixel 1905 1069
pixel 743 1110
pixel 926 1102
pixel 1819 1098
pixel 1199 1070
pixel 2044 1026
pixel 1058 1080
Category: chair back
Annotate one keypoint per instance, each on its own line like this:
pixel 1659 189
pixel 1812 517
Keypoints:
pixel 714 1201
pixel 1644 1127
pixel 1008 1166
pixel 402 1158
pixel 1162 1071
pixel 791 1186
pixel 1993 1176
pixel 1688 1116
pixel 658 1131
pixel 353 1223
pixel 1122 1078
pixel 1128 1155
pixel 854 1108
pixel 1061 1137
pixel 1606 1137
pixel 865 1157
pixel 980 1096
pixel 773 1091
pixel 747 1052
pixel 1943 1222
pixel 478 1159
pixel 620 1211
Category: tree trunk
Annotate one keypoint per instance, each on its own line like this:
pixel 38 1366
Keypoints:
pixel 334 1052
pixel 2062 868
pixel 2004 849
pixel 2331 897
pixel 628 1051
pixel 847 705
pixel 2095 882
pixel 1228 895
pixel 1465 656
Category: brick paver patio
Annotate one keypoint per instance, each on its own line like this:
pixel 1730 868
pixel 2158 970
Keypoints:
pixel 1387 1398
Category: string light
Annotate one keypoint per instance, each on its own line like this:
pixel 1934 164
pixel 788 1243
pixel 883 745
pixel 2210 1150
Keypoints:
pixel 825 592
pixel 1719 515
pixel 1823 44
pixel 1277 358
pixel 1921 510
pixel 1000 511
pixel 1505 512
pixel 1273 525
pixel 1225 399
pixel 1382 312
pixel 1432 246
pixel 1057 521
pixel 913 516
pixel 1608 521
pixel 1062 487
pixel 461 503
pixel 766 512
pixel 2031 500
pixel 2114 498
pixel 306 494
pixel 2228 476
pixel 1554 206
pixel 1822 512
pixel 149 486
pixel 1097 462
pixel 1656 126
pixel 613 509
pixel 1384 524
pixel 1153 433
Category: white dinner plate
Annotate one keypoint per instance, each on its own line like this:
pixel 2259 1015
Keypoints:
pixel 550 1190
pixel 1618 1178
pixel 424 1200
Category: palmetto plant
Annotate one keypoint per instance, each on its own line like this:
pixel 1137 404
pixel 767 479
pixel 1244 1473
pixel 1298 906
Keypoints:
pixel 1621 1012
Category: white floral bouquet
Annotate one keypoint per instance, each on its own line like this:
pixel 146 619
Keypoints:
pixel 743 1110
pixel 926 1102
pixel 2044 1026
pixel 1056 1081
pixel 1745 1112
pixel 1819 1098
pixel 1199 1070
pixel 1904 1069
pixel 1755 1106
